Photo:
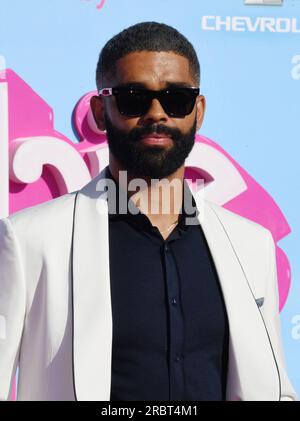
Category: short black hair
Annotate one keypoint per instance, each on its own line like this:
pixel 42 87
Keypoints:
pixel 145 36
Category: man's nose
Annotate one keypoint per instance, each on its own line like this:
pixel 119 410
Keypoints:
pixel 155 113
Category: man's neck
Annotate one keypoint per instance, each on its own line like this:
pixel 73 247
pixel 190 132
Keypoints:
pixel 160 200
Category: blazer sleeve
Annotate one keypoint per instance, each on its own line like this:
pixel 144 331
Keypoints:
pixel 271 316
pixel 12 306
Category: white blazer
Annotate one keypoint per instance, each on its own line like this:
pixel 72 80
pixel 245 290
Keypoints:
pixel 55 302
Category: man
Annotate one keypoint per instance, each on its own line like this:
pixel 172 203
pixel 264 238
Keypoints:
pixel 98 303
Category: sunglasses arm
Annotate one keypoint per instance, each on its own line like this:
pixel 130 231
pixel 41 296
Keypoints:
pixel 105 92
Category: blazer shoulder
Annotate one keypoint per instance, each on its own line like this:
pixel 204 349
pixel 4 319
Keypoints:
pixel 44 216
pixel 235 222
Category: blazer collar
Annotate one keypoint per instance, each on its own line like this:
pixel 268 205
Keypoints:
pixel 252 370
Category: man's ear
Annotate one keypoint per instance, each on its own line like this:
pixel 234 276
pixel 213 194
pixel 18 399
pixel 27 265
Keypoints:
pixel 201 105
pixel 97 108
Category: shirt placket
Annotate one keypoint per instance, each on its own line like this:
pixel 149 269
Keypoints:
pixel 176 326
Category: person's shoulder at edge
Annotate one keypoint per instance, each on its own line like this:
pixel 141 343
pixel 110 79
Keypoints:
pixel 42 215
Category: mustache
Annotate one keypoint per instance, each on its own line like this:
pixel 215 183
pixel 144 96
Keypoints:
pixel 138 132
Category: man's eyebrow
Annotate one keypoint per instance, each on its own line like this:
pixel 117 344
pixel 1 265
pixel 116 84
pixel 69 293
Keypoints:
pixel 132 85
pixel 179 85
pixel 169 84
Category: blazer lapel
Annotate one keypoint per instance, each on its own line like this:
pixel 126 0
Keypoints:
pixel 92 316
pixel 252 371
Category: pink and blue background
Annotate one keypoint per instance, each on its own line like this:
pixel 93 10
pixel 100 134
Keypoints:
pixel 247 149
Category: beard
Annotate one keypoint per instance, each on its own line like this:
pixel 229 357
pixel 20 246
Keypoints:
pixel 141 160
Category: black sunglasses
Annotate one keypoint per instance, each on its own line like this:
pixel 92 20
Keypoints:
pixel 135 102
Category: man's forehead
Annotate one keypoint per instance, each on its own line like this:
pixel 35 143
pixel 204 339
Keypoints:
pixel 149 67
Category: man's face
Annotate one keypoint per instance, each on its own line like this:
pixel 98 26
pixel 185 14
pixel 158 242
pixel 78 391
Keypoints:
pixel 129 138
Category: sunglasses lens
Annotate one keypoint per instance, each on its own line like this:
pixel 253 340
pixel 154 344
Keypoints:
pixel 132 103
pixel 178 102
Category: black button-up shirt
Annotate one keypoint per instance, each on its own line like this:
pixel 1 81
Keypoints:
pixel 170 328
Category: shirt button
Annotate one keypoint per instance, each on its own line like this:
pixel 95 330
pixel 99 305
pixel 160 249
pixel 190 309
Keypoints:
pixel 173 301
pixel 178 358
pixel 166 247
